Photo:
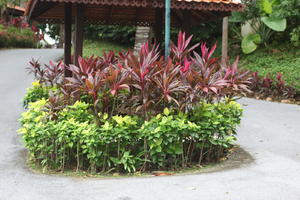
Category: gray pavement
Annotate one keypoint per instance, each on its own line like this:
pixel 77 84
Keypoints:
pixel 270 132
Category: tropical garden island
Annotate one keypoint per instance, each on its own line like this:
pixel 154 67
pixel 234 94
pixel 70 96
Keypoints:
pixel 142 88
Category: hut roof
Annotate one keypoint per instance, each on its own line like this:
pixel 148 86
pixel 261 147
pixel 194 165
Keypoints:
pixel 15 10
pixel 132 12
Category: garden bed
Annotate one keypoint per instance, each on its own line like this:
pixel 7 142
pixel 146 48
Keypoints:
pixel 273 87
pixel 126 113
pixel 18 34
pixel 284 59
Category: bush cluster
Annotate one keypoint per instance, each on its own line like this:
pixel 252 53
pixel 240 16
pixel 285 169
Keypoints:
pixel 36 92
pixel 18 34
pixel 173 140
pixel 131 112
pixel 267 86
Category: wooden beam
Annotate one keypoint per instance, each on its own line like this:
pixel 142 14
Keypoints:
pixel 79 23
pixel 43 8
pixel 225 40
pixel 67 36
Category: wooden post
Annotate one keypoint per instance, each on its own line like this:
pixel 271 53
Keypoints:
pixel 225 40
pixel 61 36
pixel 79 23
pixel 67 36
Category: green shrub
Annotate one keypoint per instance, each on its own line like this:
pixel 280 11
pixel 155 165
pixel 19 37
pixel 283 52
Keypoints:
pixel 279 58
pixel 124 35
pixel 11 36
pixel 125 112
pixel 35 93
pixel 295 36
pixel 2 27
pixel 12 29
pixel 3 39
pixel 169 140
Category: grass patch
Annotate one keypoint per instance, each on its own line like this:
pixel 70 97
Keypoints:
pixel 284 59
pixel 97 47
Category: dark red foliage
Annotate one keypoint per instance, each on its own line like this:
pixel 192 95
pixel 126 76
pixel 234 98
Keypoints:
pixel 49 74
pixel 37 70
pixel 54 72
pixel 17 22
pixel 144 84
pixel 180 53
pixel 237 82
pixel 271 87
pixel 206 75
pixel 168 81
pixel 55 104
pixel 34 29
pixel 116 79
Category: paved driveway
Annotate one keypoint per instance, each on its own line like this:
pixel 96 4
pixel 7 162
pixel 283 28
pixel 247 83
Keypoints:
pixel 270 132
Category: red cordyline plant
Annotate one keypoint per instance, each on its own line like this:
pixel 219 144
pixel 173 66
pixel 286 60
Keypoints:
pixel 87 79
pixel 108 59
pixel 237 82
pixel 48 74
pixel 181 51
pixel 55 104
pixel 144 84
pixel 116 79
pixel 86 67
pixel 204 77
pixel 207 72
pixel 37 70
pixel 99 78
pixel 170 84
pixel 54 72
pixel 141 69
pixel 271 87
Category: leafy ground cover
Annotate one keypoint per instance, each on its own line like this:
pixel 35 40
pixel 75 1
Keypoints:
pixel 284 59
pixel 97 48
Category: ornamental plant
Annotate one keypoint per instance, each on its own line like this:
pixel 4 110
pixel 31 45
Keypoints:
pixel 18 33
pixel 125 112
pixel 270 86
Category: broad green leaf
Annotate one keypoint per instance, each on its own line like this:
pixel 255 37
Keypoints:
pixel 105 116
pixel 250 42
pixel 71 144
pixel 158 149
pixel 166 111
pixel 178 149
pixel 236 17
pixel 159 141
pixel 266 6
pixel 275 23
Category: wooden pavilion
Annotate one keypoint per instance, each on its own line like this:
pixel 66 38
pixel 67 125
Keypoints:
pixel 185 14
pixel 15 11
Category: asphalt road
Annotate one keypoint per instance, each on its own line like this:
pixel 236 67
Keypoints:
pixel 270 132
